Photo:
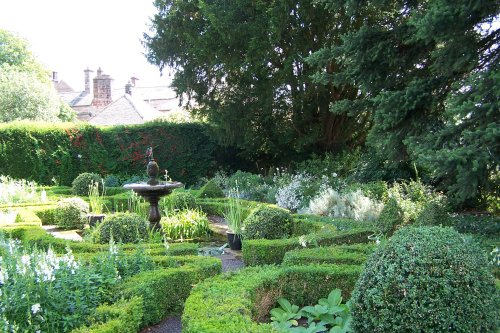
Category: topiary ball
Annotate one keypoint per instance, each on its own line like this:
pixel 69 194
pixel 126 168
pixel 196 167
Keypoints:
pixel 211 190
pixel 267 222
pixel 82 183
pixel 425 279
pixel 179 201
pixel 71 213
pixel 123 227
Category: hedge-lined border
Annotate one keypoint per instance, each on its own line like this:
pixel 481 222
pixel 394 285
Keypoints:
pixel 338 255
pixel 234 302
pixel 35 235
pixel 162 291
pixel 266 252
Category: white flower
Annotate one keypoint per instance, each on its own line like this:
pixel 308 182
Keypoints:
pixel 334 174
pixel 35 308
pixel 79 156
pixel 43 196
pixel 303 241
pixel 377 241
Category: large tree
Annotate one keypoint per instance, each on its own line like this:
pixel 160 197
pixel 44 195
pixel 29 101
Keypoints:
pixel 429 71
pixel 243 62
pixel 25 89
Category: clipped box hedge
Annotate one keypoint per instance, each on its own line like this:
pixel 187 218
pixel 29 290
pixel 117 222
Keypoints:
pixel 266 252
pixel 34 235
pixel 124 316
pixel 236 302
pixel 164 291
pixel 340 255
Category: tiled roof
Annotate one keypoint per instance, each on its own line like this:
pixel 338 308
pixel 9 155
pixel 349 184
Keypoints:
pixel 62 87
pixel 126 110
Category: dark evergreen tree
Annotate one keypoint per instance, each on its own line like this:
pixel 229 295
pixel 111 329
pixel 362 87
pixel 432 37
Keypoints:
pixel 429 72
pixel 243 62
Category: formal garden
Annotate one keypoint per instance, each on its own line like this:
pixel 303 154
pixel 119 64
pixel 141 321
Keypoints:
pixel 339 173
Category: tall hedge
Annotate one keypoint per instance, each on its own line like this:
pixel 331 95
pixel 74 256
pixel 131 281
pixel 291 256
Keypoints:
pixel 40 152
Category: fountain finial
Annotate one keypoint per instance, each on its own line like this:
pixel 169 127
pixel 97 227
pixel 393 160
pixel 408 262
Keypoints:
pixel 153 169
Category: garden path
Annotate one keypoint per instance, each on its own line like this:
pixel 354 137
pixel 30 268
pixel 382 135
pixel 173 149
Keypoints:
pixel 64 234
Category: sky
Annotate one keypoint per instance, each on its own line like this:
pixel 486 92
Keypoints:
pixel 67 36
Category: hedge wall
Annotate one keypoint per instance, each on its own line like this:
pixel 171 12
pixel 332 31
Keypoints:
pixel 236 302
pixel 40 152
pixel 266 252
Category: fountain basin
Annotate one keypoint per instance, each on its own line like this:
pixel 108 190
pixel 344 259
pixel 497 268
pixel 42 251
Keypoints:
pixel 152 194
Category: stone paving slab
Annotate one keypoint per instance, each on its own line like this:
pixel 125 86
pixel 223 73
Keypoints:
pixel 63 234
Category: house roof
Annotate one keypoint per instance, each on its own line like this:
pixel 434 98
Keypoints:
pixel 62 87
pixel 126 110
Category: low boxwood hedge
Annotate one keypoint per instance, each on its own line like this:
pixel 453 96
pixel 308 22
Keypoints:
pixel 124 316
pixel 265 252
pixel 34 235
pixel 236 302
pixel 340 255
pixel 165 290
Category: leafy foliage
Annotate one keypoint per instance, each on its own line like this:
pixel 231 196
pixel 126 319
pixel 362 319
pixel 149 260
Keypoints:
pixel 428 73
pixel 211 190
pixel 429 278
pixel 122 228
pixel 185 224
pixel 267 222
pixel 71 213
pixel 328 315
pixel 83 183
pixel 25 90
pixel 64 151
pixel 254 83
pixel 178 200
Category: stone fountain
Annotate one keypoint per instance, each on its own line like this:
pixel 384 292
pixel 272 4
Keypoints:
pixel 153 189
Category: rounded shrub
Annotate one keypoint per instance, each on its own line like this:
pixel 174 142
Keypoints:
pixel 435 212
pixel 425 279
pixel 71 213
pixel 123 227
pixel 179 201
pixel 267 222
pixel 211 190
pixel 84 180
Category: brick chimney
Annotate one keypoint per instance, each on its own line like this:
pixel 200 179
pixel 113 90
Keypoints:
pixel 87 79
pixel 102 89
pixel 128 88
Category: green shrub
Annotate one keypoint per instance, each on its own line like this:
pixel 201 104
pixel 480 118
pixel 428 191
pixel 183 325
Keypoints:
pixel 185 224
pixel 377 190
pixel 178 200
pixel 165 290
pixel 81 184
pixel 237 302
pixel 47 216
pixel 426 279
pixel 71 213
pixel 488 225
pixel 266 252
pixel 268 222
pixel 124 316
pixel 123 227
pixel 112 181
pixel 211 190
pixel 325 255
pixel 434 212
pixel 391 217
